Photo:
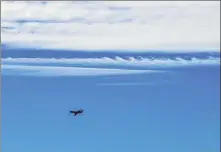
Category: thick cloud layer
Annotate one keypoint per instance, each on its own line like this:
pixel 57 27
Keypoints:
pixel 128 26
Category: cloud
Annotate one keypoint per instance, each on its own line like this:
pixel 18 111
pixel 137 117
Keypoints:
pixel 119 26
pixel 117 61
pixel 27 70
pixel 127 84
pixel 96 66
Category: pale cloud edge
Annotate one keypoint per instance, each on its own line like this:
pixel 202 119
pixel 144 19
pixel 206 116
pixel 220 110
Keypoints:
pixel 117 26
pixel 58 71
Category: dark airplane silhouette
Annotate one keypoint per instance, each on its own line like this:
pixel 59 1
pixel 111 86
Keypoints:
pixel 77 112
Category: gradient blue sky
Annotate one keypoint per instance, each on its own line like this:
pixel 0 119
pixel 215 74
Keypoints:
pixel 147 75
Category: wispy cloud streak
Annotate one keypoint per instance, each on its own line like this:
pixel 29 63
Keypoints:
pixel 26 70
pixel 127 84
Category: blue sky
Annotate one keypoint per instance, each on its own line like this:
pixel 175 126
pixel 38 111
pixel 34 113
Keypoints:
pixel 147 75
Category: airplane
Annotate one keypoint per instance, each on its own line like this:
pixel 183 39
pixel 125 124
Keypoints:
pixel 77 112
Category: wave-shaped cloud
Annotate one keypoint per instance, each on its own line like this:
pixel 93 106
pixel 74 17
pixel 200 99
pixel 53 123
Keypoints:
pixel 92 66
pixel 27 70
pixel 112 25
pixel 142 62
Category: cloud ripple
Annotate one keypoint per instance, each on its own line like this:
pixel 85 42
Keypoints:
pixel 96 66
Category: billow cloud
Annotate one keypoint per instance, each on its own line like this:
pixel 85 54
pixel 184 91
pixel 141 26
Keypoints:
pixel 95 66
pixel 117 61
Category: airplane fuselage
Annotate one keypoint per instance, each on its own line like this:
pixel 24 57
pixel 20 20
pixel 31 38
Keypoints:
pixel 76 112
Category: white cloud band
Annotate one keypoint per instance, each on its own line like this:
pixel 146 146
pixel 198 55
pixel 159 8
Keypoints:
pixel 113 25
pixel 65 71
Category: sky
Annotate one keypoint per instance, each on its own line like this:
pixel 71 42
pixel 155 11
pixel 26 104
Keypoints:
pixel 147 75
